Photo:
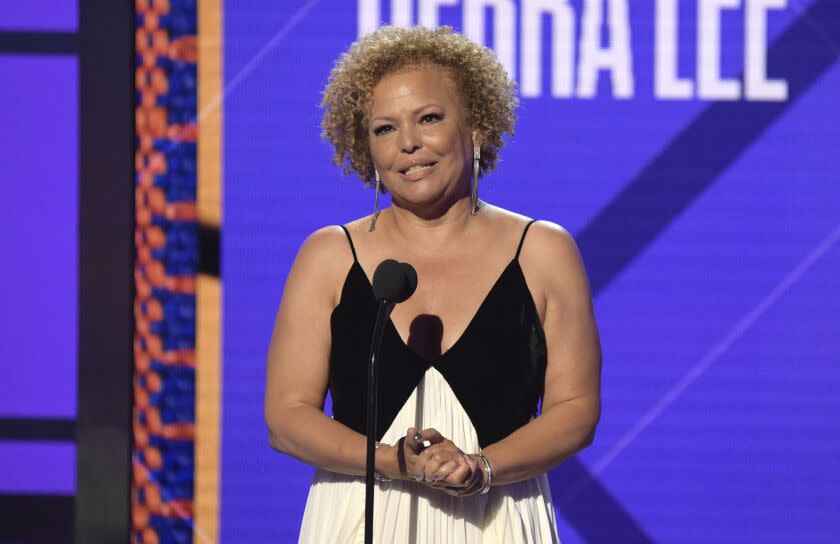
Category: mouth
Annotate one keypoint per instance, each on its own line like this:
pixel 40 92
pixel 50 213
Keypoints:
pixel 417 171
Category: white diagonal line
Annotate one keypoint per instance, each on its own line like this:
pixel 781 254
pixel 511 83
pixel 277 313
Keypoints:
pixel 714 354
pixel 255 61
pixel 240 76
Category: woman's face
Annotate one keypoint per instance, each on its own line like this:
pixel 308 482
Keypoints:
pixel 419 140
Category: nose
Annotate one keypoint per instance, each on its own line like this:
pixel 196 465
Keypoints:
pixel 410 140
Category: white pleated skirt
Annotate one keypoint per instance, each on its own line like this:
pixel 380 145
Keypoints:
pixel 410 512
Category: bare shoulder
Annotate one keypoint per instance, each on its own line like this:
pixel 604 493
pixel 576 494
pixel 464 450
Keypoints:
pixel 324 245
pixel 551 243
pixel 502 216
pixel 552 255
pixel 322 261
pixel 504 224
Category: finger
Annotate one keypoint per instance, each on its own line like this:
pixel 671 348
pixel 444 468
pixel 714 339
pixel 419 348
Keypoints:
pixel 418 467
pixel 432 467
pixel 445 470
pixel 472 463
pixel 430 460
pixel 464 471
pixel 426 453
pixel 440 457
pixel 460 476
pixel 413 440
pixel 432 435
pixel 470 473
pixel 444 449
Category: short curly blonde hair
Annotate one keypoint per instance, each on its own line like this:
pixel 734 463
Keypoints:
pixel 487 93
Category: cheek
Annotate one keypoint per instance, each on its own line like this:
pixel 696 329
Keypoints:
pixel 381 154
pixel 450 143
pixel 447 138
pixel 453 154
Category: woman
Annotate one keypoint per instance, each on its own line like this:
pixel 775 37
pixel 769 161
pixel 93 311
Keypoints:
pixel 499 321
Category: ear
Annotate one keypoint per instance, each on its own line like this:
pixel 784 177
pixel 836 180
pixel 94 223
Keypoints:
pixel 477 138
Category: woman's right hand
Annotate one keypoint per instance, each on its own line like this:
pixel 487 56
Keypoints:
pixel 430 458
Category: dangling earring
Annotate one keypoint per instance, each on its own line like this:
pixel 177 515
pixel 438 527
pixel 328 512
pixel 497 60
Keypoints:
pixel 476 157
pixel 375 203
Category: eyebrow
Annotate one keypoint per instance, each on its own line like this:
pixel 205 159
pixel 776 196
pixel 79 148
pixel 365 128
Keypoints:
pixel 415 111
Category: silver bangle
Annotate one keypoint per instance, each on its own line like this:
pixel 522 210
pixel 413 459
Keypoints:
pixel 376 476
pixel 489 480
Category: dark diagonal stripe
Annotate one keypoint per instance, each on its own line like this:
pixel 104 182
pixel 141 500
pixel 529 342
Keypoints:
pixel 39 43
pixel 595 514
pixel 208 250
pixel 658 195
pixel 36 518
pixel 701 152
pixel 37 429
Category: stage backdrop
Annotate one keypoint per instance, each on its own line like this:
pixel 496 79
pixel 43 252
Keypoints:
pixel 691 147
pixel 39 222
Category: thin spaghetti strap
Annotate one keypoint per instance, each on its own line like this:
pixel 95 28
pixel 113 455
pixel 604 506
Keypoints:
pixel 522 240
pixel 350 240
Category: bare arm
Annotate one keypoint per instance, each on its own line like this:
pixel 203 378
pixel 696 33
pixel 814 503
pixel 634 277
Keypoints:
pixel 298 362
pixel 572 402
pixel 298 373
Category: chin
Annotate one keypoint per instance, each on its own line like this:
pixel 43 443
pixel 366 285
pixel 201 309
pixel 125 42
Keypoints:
pixel 421 193
pixel 432 202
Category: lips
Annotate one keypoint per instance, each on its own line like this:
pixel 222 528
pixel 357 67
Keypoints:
pixel 417 167
pixel 418 171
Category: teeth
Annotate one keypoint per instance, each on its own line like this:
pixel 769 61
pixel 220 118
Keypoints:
pixel 415 169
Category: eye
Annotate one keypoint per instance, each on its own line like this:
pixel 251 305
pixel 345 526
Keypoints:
pixel 431 117
pixel 382 129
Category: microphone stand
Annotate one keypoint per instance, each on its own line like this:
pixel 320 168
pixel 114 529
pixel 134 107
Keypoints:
pixel 385 308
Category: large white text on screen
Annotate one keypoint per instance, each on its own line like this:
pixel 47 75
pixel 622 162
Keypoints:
pixel 577 54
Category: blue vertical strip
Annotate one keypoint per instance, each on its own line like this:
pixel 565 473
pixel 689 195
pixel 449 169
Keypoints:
pixel 167 264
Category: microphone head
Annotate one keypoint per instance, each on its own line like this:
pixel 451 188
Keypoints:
pixel 394 281
pixel 410 281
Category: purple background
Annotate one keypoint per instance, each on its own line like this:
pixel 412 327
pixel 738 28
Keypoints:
pixel 20 15
pixel 38 237
pixel 41 468
pixel 721 333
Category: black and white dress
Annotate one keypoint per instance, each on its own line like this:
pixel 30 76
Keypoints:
pixel 479 391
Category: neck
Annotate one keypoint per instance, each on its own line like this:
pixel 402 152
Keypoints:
pixel 431 232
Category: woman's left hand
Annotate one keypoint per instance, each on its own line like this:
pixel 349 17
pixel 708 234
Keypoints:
pixel 442 463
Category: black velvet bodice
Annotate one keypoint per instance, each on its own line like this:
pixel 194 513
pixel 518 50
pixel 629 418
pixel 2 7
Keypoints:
pixel 496 368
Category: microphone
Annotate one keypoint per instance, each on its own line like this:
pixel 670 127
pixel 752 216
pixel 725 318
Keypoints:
pixel 393 282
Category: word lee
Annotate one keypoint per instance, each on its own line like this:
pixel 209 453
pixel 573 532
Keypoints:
pixel 616 58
